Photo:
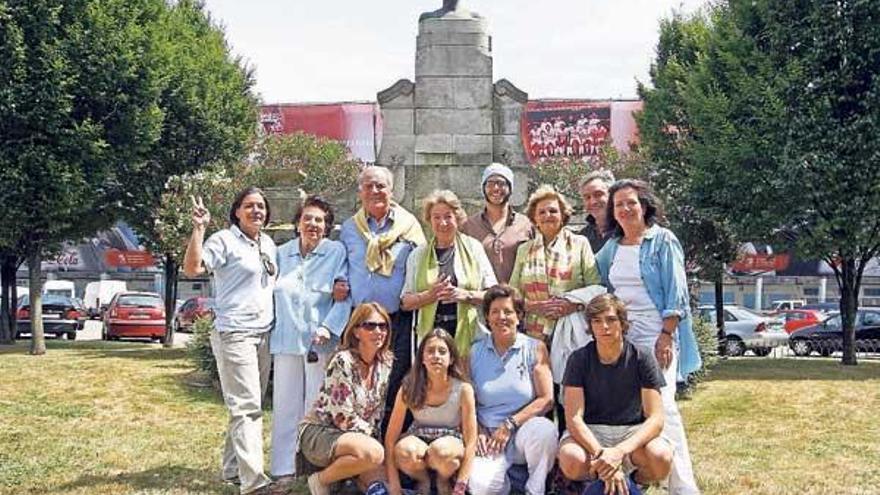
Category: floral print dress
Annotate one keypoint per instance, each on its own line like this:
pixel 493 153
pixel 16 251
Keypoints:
pixel 345 402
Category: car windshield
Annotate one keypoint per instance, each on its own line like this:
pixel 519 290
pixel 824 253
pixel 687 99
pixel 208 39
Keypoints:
pixel 833 323
pixel 140 300
pixel 48 299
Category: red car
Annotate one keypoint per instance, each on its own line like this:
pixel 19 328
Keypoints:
pixel 193 309
pixel 135 314
pixel 799 318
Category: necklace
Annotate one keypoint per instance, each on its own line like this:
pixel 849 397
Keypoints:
pixel 444 255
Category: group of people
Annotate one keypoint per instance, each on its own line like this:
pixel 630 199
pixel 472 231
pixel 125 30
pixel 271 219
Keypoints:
pixel 517 321
pixel 558 137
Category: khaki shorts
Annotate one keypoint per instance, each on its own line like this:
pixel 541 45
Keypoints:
pixel 318 443
pixel 610 435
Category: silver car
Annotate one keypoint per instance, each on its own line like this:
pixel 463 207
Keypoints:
pixel 745 330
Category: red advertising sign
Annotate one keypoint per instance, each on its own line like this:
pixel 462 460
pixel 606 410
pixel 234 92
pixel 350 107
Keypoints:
pixel 130 259
pixel 353 124
pixel 758 263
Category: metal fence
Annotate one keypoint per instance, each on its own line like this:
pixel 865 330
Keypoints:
pixel 796 347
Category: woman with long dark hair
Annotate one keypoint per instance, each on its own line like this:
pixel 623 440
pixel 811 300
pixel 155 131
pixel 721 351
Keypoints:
pixel 443 435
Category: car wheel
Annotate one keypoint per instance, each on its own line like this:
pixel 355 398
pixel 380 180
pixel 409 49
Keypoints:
pixel 162 340
pixel 825 352
pixel 734 346
pixel 71 335
pixel 801 348
pixel 762 351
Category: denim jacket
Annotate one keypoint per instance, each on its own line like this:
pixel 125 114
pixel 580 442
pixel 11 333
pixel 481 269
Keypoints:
pixel 661 262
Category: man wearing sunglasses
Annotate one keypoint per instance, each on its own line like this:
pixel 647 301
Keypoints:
pixel 500 229
pixel 242 262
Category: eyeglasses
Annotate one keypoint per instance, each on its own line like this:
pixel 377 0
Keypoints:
pixel 267 264
pixel 372 326
pixel 499 183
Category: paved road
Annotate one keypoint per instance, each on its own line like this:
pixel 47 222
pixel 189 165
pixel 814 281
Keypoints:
pixel 92 331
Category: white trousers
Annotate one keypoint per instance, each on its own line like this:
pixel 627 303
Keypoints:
pixel 681 477
pixel 534 444
pixel 243 364
pixel 295 387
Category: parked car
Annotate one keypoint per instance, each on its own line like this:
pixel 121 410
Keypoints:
pixel 799 318
pixel 825 307
pixel 788 304
pixel 61 316
pixel 745 330
pixel 98 295
pixel 135 314
pixel 827 337
pixel 59 288
pixel 193 309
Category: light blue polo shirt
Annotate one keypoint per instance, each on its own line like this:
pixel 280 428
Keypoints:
pixel 242 288
pixel 502 384
pixel 304 297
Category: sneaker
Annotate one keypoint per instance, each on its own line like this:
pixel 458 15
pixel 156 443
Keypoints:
pixel 316 487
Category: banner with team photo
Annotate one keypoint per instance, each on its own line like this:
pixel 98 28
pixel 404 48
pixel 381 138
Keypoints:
pixel 565 129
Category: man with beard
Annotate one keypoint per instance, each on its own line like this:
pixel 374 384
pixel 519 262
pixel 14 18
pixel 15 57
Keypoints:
pixel 594 194
pixel 378 240
pixel 500 229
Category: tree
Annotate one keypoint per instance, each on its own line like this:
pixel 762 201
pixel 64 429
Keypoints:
pixel 209 117
pixel 782 107
pixel 77 101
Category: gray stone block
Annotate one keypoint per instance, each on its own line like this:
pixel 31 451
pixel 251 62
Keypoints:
pixel 453 61
pixel 480 40
pixel 397 150
pixel 465 144
pixel 398 121
pixel 398 95
pixel 509 150
pixel 435 92
pixel 434 143
pixel 472 92
pixel 507 119
pixel 452 25
pixel 448 121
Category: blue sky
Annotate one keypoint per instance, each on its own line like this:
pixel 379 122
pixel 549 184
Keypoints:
pixel 334 50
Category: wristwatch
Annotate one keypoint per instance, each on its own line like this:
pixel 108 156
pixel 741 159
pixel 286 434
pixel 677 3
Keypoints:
pixel 510 423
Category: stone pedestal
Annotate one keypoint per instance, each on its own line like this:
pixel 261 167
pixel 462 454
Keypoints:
pixel 442 130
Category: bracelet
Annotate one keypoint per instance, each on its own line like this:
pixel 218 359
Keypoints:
pixel 671 333
pixel 511 424
pixel 598 455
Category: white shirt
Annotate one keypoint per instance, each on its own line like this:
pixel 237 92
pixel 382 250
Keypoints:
pixel 626 277
pixel 242 287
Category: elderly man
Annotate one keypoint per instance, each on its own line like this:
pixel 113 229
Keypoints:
pixel 594 194
pixel 379 239
pixel 500 229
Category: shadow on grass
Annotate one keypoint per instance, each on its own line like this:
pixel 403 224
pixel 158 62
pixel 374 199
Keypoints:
pixel 794 369
pixel 162 478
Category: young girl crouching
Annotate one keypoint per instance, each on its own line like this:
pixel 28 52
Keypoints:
pixel 443 434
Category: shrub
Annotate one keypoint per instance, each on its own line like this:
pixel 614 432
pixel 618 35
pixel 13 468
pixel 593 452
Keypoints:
pixel 707 342
pixel 198 349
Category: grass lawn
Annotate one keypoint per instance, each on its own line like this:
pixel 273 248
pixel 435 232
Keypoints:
pixel 114 418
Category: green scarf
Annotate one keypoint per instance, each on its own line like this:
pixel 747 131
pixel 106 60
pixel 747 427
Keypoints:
pixel 427 273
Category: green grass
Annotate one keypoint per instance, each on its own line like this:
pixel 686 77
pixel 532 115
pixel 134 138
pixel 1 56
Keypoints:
pixel 117 418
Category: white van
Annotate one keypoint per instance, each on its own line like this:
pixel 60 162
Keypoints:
pixel 98 295
pixel 59 288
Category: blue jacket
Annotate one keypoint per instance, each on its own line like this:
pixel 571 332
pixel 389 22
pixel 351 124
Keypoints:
pixel 661 262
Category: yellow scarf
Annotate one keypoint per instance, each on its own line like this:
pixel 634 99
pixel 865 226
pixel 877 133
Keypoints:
pixel 404 225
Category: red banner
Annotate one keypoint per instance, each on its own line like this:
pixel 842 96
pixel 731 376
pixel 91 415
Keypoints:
pixel 758 263
pixel 353 124
pixel 130 259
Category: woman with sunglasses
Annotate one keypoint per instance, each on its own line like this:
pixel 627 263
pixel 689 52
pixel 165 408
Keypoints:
pixel 241 261
pixel 341 432
pixel 308 326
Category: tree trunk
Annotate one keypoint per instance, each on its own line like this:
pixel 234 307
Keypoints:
pixel 7 301
pixel 719 311
pixel 170 298
pixel 38 339
pixel 849 301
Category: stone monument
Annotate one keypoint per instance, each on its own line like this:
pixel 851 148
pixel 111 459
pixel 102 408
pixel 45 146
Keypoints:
pixel 443 129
